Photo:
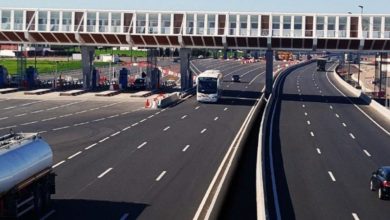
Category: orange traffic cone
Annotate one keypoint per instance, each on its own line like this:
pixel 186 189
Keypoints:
pixel 147 103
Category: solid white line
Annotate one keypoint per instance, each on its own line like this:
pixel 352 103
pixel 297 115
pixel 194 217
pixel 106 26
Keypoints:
pixel 312 134
pixel 126 128
pixel 161 176
pixel 104 173
pixel 344 125
pixel 142 145
pixel 74 155
pixel 143 120
pixel 124 216
pixel 331 176
pixel 185 148
pixel 318 151
pixel 115 134
pixel 184 116
pixel 308 122
pixel 203 131
pixel 57 164
pixel 371 119
pixel 104 139
pixel 61 128
pixel 135 124
pixel 167 128
pixel 355 216
pixel 225 109
pixel 29 123
pixel 216 118
pixel 48 215
pixel 90 146
pixel 352 136
pixel 366 152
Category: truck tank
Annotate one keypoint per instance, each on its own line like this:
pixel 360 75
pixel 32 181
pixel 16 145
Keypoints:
pixel 22 156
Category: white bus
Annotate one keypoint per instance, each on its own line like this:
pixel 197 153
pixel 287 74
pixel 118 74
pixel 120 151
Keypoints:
pixel 209 84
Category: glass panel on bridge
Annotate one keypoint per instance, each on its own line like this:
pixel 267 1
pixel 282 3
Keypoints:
pixel 116 22
pixel 331 26
pixel 387 27
pixel 42 21
pixel 18 20
pixel 91 21
pixel 190 24
pixel 6 20
pixel 342 26
pixel 140 24
pixel 377 27
pixel 54 21
pixel 297 26
pixel 320 26
pixel 276 25
pixel 243 25
pixel 67 21
pixel 165 23
pixel 211 24
pixel 366 27
pixel 287 26
pixel 153 23
pixel 232 24
pixel 103 22
pixel 200 24
pixel 254 25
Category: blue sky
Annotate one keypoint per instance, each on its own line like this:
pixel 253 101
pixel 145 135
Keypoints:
pixel 322 6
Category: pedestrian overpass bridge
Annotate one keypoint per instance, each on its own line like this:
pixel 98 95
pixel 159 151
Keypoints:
pixel 180 29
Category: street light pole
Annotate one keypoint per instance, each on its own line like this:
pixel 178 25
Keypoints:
pixel 361 15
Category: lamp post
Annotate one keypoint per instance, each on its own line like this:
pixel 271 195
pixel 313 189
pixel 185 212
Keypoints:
pixel 358 55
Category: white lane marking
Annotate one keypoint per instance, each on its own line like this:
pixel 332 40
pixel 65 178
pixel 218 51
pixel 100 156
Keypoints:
pixel 337 116
pixel 48 215
pixel 84 123
pixel 331 107
pixel 113 116
pixel 142 145
pixel 104 173
pixel 151 116
pixel 126 128
pixel 197 107
pixel 186 148
pixel 320 91
pixel 30 103
pixel 143 120
pixel 299 90
pixel 34 112
pixel 29 123
pixel 12 107
pixel 13 126
pixel 49 109
pixel 371 119
pixel 100 119
pixel 49 119
pixel 305 113
pixel 115 134
pixel 331 176
pixel 104 139
pixel 318 151
pixel 250 83
pixel 184 116
pixel 303 106
pixel 93 109
pixel 57 164
pixel 90 146
pixel 203 131
pixel 308 122
pixel 312 134
pixel 74 155
pixel 135 124
pixel 163 110
pixel 125 113
pixel 63 116
pixel 225 109
pixel 366 152
pixel 3 118
pixel 167 128
pixel 41 132
pixel 355 216
pixel 157 113
pixel 161 176
pixel 345 125
pixel 61 128
pixel 124 216
pixel 216 118
pixel 20 115
pixel 352 136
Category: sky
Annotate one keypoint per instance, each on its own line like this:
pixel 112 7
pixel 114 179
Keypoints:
pixel 308 6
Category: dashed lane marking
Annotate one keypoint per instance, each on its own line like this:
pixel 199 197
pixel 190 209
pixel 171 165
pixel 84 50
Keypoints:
pixel 74 155
pixel 352 136
pixel 104 139
pixel 312 134
pixel 331 176
pixel 115 134
pixel 57 164
pixel 367 153
pixel 318 151
pixel 186 148
pixel 203 131
pixel 29 123
pixel 126 128
pixel 167 128
pixel 61 128
pixel 216 118
pixel 355 216
pixel 161 176
pixel 90 146
pixel 142 145
pixel 104 173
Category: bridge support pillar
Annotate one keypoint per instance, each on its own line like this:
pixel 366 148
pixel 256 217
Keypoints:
pixel 185 73
pixel 269 71
pixel 87 57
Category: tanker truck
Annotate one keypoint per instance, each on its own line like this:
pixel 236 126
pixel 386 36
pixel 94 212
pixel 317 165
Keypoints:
pixel 27 180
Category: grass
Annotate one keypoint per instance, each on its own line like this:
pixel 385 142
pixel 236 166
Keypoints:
pixel 46 66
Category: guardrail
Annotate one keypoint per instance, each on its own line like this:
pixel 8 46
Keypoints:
pixel 264 170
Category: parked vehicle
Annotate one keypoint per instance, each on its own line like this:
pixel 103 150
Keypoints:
pixel 139 84
pixel 236 78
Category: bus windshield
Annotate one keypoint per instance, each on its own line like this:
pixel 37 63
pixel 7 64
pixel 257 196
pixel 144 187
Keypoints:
pixel 207 85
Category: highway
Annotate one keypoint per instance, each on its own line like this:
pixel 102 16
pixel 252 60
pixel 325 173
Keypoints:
pixel 117 160
pixel 325 149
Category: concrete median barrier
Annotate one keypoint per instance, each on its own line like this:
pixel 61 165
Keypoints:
pixel 165 102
